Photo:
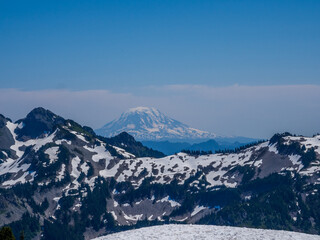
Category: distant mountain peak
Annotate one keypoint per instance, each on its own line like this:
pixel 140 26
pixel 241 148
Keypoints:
pixel 148 123
pixel 38 122
pixel 142 109
pixel 41 113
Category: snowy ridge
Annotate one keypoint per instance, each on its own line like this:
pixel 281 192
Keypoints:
pixel 187 232
pixel 218 169
pixel 69 161
pixel 18 167
pixel 150 124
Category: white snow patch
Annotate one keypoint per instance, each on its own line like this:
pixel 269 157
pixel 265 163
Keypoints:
pixel 182 220
pixel 310 171
pixel 172 202
pixel 61 172
pixel 21 179
pixel 273 148
pixel 114 215
pixel 80 136
pixel 197 209
pixel 59 142
pixel 85 168
pixel 123 152
pixel 75 163
pixel 133 217
pixel 137 203
pixel 53 154
pixel 100 152
pixel 258 163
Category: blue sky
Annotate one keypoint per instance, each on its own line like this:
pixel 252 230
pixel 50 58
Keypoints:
pixel 140 50
pixel 109 44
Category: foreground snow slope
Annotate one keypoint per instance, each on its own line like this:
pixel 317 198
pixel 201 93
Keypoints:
pixel 206 232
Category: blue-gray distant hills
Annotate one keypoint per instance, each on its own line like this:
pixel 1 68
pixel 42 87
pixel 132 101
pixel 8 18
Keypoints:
pixel 160 132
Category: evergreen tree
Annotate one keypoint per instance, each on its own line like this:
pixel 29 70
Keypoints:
pixel 21 235
pixel 6 234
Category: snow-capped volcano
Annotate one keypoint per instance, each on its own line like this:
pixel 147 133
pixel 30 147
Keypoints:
pixel 146 123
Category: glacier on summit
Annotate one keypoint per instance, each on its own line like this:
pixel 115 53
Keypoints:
pixel 145 123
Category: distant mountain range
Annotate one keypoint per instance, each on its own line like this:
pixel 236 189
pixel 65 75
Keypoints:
pixel 213 145
pixel 60 180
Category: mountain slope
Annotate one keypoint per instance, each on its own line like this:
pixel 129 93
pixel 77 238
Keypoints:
pixel 167 232
pixel 150 124
pixel 36 143
pixel 65 177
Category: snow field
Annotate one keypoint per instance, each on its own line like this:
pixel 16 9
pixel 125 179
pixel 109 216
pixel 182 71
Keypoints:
pixel 205 232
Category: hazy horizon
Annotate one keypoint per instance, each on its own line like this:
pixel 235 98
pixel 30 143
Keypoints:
pixel 244 68
pixel 251 110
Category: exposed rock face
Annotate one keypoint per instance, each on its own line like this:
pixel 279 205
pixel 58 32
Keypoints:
pixel 6 138
pixel 38 123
